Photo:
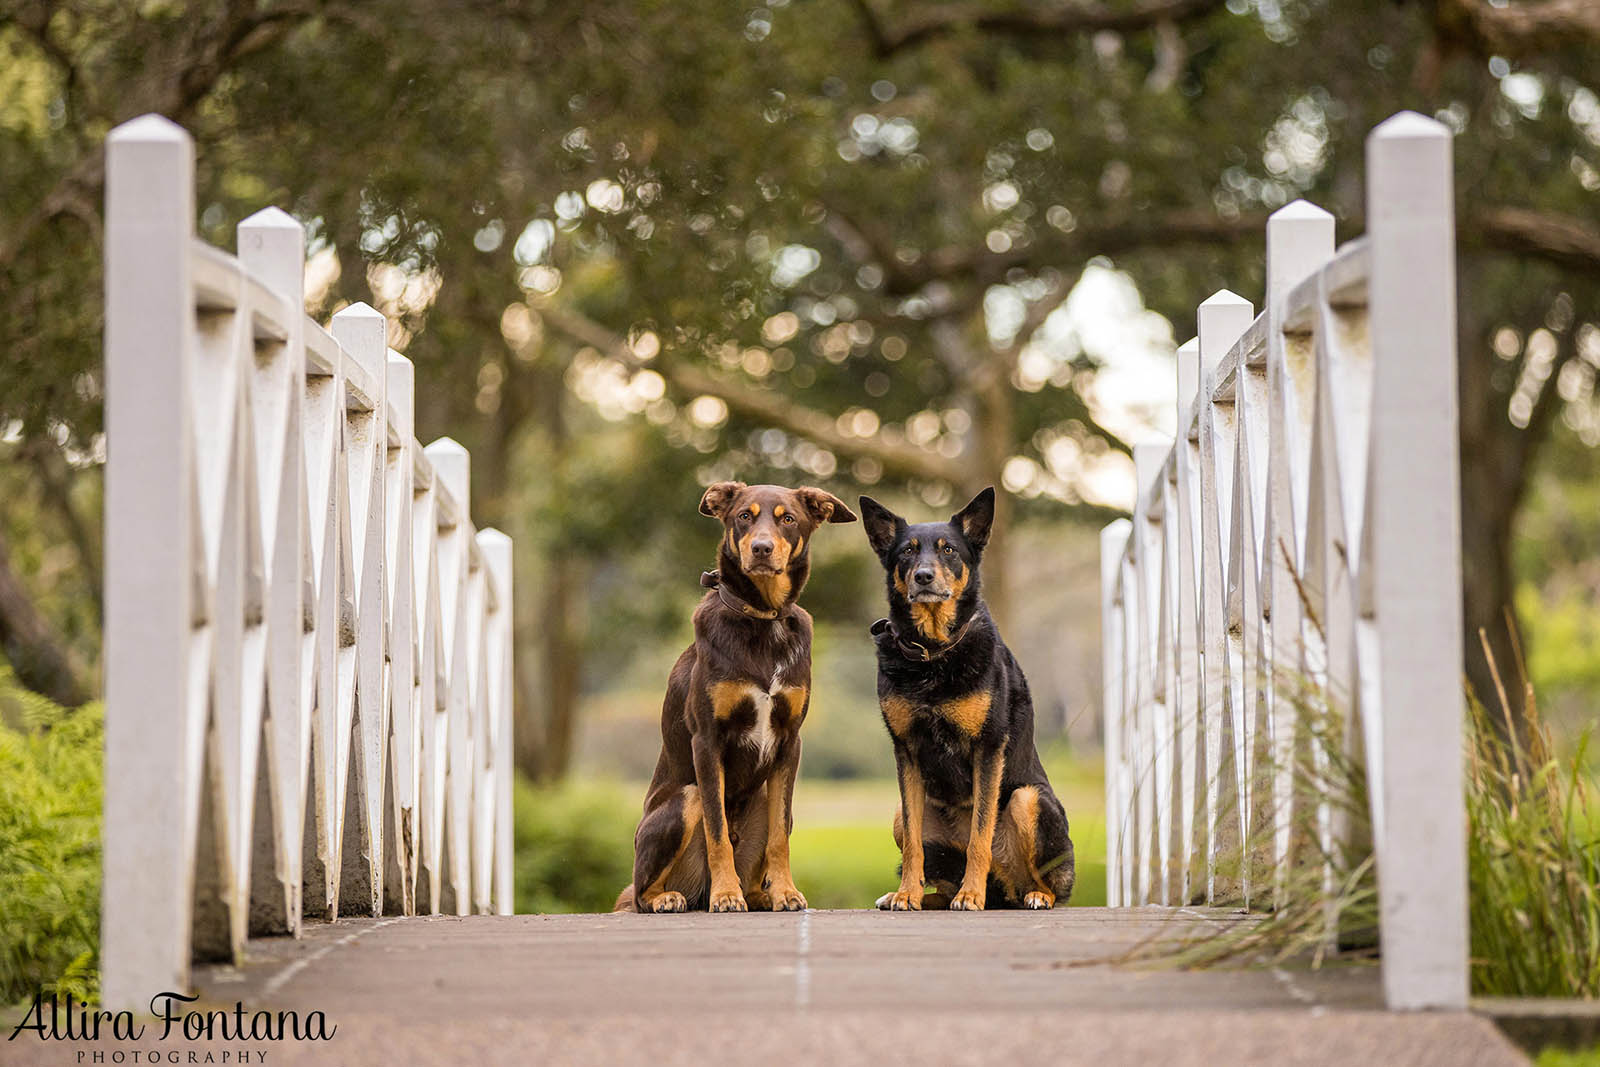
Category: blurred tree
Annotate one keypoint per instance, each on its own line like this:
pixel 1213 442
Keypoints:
pixel 810 240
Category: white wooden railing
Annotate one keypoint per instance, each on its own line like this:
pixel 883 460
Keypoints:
pixel 308 647
pixel 1304 534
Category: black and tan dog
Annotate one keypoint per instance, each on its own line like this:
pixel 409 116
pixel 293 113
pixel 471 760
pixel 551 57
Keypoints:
pixel 715 831
pixel 977 819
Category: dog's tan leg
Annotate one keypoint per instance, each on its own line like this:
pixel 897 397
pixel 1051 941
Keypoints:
pixel 1016 851
pixel 726 895
pixel 656 897
pixel 780 819
pixel 913 797
pixel 974 890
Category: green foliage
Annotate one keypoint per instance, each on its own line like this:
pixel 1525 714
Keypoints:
pixel 574 845
pixel 50 769
pixel 1557 553
pixel 1564 641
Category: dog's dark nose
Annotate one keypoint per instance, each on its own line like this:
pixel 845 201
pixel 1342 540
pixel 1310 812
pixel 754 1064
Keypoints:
pixel 924 577
pixel 761 549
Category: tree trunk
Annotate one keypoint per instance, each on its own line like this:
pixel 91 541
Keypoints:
pixel 41 660
pixel 994 429
pixel 563 656
pixel 1494 475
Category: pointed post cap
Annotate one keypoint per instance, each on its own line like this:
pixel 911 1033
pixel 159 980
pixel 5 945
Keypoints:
pixel 148 128
pixel 1409 126
pixel 402 388
pixel 1224 298
pixel 1223 317
pixel 1113 542
pixel 271 218
pixel 452 464
pixel 1300 209
pixel 1148 458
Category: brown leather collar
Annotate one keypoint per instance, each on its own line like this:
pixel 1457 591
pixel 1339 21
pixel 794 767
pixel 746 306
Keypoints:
pixel 734 602
pixel 917 650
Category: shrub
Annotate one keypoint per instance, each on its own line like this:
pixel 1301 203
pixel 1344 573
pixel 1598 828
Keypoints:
pixel 50 771
pixel 574 845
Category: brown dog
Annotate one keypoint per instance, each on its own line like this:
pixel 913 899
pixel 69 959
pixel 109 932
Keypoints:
pixel 715 831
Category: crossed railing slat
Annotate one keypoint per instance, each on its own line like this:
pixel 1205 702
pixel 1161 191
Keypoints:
pixel 308 645
pixel 1304 532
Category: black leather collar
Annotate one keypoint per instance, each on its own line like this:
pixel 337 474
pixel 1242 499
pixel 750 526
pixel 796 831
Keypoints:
pixel 916 649
pixel 734 602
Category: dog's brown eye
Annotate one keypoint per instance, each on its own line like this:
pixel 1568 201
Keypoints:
pixel 745 516
pixel 788 520
pixel 949 550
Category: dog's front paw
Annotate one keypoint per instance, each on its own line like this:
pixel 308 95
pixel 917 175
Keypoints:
pixel 730 900
pixel 903 900
pixel 1039 900
pixel 669 901
pixel 787 898
pixel 968 900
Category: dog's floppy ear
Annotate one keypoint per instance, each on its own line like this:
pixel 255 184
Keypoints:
pixel 976 518
pixel 824 506
pixel 882 525
pixel 718 497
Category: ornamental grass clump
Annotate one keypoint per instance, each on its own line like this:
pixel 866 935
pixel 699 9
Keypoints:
pixel 1533 864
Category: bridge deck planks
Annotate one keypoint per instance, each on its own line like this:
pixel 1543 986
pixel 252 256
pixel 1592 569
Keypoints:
pixel 835 987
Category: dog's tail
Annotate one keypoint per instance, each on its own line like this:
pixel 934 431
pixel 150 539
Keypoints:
pixel 624 899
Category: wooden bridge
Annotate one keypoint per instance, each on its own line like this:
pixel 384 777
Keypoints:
pixel 308 706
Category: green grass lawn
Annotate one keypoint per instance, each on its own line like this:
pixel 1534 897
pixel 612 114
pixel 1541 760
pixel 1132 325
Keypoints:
pixel 843 853
pixel 574 841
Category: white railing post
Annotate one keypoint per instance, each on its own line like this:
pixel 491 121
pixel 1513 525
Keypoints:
pixel 1190 701
pixel 1155 804
pixel 1300 239
pixel 272 247
pixel 432 721
pixel 327 493
pixel 497 554
pixel 1223 318
pixel 452 472
pixel 1113 543
pixel 363 334
pixel 155 703
pixel 1413 594
pixel 404 697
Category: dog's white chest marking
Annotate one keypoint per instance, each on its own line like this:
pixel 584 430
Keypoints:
pixel 760 736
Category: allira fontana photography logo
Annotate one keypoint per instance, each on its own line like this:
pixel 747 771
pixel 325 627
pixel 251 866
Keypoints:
pixel 171 1018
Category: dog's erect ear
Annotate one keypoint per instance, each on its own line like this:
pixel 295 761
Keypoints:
pixel 824 506
pixel 976 518
pixel 718 498
pixel 883 526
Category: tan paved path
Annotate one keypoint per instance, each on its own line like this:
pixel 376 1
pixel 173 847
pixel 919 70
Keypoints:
pixel 831 988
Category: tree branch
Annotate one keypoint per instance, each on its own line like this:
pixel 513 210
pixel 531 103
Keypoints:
pixel 760 404
pixel 37 654
pixel 958 263
pixel 1518 30
pixel 238 32
pixel 1562 240
pixel 944 20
